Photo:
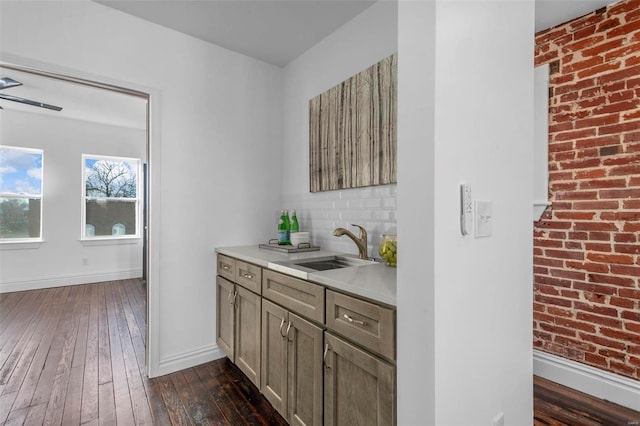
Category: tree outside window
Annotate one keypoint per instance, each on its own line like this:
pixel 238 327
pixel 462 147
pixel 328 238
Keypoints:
pixel 20 194
pixel 110 197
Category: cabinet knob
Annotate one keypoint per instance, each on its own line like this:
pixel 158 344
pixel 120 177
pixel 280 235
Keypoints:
pixel 248 276
pixel 225 267
pixel 354 321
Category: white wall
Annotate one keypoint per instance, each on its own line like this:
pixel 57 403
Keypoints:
pixel 464 304
pixel 59 258
pixel 360 43
pixel 215 140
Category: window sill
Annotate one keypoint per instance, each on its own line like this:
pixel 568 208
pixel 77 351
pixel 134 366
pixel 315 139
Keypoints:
pixel 109 241
pixel 20 245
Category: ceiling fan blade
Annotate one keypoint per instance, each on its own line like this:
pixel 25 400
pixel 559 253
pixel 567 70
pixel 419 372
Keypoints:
pixel 29 102
pixel 6 82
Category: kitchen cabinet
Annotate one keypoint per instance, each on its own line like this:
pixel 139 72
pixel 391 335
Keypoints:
pixel 319 355
pixel 292 365
pixel 238 317
pixel 359 387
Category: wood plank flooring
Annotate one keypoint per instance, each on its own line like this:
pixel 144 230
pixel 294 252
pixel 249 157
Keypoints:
pixel 557 405
pixel 76 355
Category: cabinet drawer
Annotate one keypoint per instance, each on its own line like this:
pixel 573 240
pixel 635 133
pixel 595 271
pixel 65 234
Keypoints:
pixel 371 325
pixel 227 267
pixel 301 297
pixel 248 276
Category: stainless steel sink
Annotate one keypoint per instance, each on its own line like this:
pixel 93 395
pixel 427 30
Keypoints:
pixel 302 267
pixel 335 262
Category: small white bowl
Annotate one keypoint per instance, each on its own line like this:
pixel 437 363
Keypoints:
pixel 298 238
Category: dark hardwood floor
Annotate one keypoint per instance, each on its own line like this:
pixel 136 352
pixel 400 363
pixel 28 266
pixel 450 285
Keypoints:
pixel 559 405
pixel 76 355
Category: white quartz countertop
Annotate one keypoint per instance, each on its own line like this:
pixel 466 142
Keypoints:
pixel 376 282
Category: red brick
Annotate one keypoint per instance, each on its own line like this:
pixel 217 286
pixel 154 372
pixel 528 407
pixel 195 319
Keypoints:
pixel 541 280
pixel 588 266
pixel 596 360
pixel 619 193
pixel 621 259
pixel 619 128
pixel 631 315
pixel 629 293
pixel 627 248
pixel 564 254
pixel 600 320
pixel 548 300
pixel 579 235
pixel 624 29
pixel 631 204
pixel 633 159
pixel 577 195
pixel 575 134
pixel 573 245
pixel 560 312
pixel 555 263
pixel 597 122
pixel 596 309
pixel 620 368
pixel 600 236
pixel 603 183
pixel 592 288
pixel 603 341
pixel 621 96
pixel 580 164
pixel 625 238
pixel 595 226
pixel 601 247
pixel 633 271
pixel 621 215
pixel 633 337
pixel 599 69
pixel 563 186
pixel 611 279
pixel 622 303
pixel 557 330
pixel 616 107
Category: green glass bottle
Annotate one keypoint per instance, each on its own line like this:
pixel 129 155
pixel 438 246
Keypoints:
pixel 282 230
pixel 287 227
pixel 295 227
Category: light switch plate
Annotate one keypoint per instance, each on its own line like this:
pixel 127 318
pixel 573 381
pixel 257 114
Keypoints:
pixel 483 219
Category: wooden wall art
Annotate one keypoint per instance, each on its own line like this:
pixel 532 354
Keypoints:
pixel 352 130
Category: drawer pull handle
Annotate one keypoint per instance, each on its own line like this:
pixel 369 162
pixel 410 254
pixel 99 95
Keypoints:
pixel 354 321
pixel 287 333
pixel 281 324
pixel 226 267
pixel 248 276
pixel 324 356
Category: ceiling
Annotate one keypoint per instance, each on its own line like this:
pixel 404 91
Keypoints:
pixel 275 31
pixel 278 31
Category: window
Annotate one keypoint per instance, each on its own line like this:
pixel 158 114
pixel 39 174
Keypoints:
pixel 20 194
pixel 111 197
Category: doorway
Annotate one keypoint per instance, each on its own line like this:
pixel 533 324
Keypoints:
pixel 95 105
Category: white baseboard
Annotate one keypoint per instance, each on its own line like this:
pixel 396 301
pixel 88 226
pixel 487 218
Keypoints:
pixel 584 378
pixel 188 359
pixel 64 280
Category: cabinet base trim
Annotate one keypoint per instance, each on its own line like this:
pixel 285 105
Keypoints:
pixel 584 378
pixel 189 359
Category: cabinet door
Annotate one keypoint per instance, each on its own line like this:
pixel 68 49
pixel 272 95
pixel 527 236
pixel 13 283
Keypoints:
pixel 225 316
pixel 304 346
pixel 247 348
pixel 359 388
pixel 274 356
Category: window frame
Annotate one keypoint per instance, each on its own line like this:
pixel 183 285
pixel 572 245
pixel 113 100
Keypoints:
pixel 83 215
pixel 22 240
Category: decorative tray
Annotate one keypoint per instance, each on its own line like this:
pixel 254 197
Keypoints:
pixel 273 245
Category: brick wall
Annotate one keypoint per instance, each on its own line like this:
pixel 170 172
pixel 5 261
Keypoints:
pixel 587 244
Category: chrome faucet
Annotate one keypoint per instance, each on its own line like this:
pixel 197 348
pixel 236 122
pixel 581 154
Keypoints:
pixel 361 242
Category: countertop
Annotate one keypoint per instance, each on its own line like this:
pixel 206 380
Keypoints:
pixel 376 282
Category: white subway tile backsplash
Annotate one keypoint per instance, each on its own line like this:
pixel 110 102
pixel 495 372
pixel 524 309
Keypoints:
pixel 374 208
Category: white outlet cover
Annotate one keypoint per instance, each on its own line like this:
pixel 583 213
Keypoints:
pixel 483 219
